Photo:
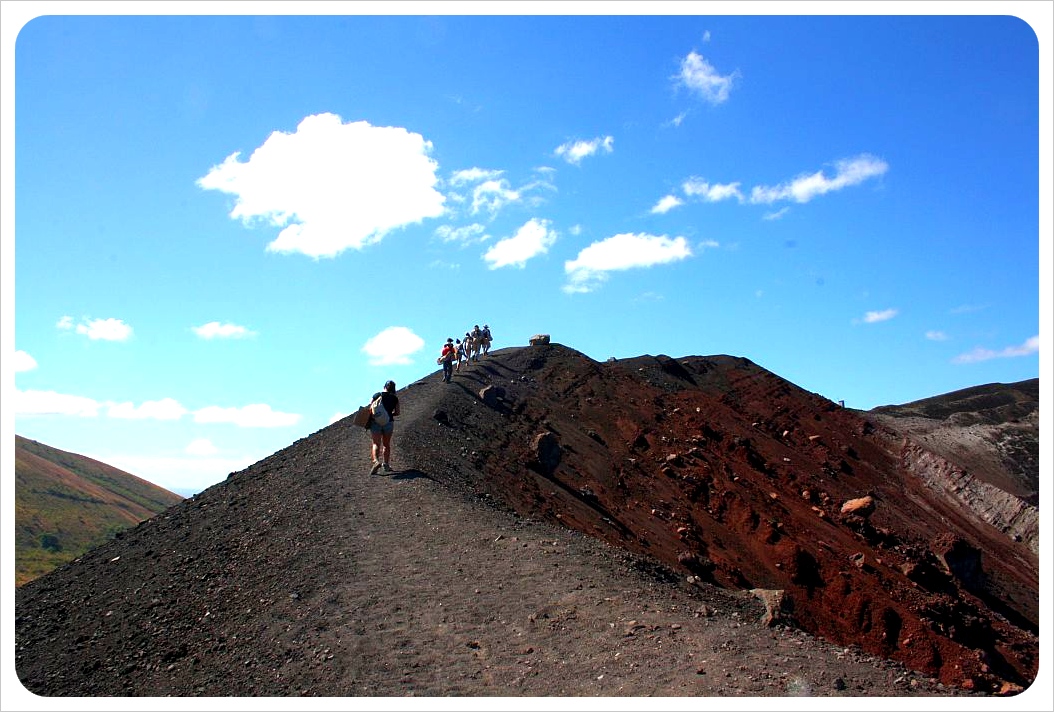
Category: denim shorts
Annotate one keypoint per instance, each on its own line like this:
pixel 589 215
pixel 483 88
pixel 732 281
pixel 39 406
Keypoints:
pixel 375 428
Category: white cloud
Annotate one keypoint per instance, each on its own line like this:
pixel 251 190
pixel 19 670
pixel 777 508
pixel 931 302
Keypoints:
pixel 98 329
pixel 332 185
pixel 711 192
pixel 934 335
pixel 257 415
pixel 708 243
pixel 621 252
pixel 466 234
pixel 1031 346
pixel 666 204
pixel 677 120
pixel 337 416
pixel 201 447
pixel 164 409
pixel 493 195
pixel 534 238
pixel 873 317
pixel 216 330
pixel 394 345
pixel 24 362
pixel 700 76
pixel 52 403
pixel 474 175
pixel 848 172
pixel 776 215
pixel 574 151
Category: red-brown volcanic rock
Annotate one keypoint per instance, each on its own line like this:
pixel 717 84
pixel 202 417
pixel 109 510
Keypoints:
pixel 724 471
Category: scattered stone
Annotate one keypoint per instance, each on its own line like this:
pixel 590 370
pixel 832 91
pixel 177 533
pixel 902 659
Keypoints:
pixel 861 507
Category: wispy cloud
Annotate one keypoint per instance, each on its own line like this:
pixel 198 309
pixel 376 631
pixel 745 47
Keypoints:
pixel 848 172
pixel 776 215
pixel 24 362
pixel 257 415
pixel 98 329
pixel 874 317
pixel 332 186
pixel 466 234
pixel 1031 346
pixel 534 238
pixel 666 204
pixel 711 192
pixel 934 335
pixel 216 330
pixel 492 195
pixel 473 175
pixel 393 346
pixel 699 76
pixel 621 252
pixel 574 151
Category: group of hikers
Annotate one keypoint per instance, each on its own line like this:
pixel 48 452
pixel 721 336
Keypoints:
pixel 475 344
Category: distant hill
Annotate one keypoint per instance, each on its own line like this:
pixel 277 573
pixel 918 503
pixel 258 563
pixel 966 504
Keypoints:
pixel 992 431
pixel 66 504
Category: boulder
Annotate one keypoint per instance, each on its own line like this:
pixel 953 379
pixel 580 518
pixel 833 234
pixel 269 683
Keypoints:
pixel 539 340
pixel 547 451
pixel 861 507
pixel 492 395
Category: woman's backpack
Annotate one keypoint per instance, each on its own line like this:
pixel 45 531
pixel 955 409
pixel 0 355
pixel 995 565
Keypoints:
pixel 377 411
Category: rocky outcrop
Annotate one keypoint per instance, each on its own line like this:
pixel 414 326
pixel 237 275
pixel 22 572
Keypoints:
pixel 1011 515
pixel 539 340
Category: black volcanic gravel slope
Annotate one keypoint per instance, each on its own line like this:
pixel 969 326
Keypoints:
pixel 304 575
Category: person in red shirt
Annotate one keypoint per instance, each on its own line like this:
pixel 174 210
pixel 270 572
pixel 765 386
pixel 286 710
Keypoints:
pixel 446 357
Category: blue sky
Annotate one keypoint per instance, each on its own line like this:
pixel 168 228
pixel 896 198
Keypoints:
pixel 204 205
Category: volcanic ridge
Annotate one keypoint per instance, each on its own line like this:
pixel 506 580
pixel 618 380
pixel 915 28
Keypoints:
pixel 561 526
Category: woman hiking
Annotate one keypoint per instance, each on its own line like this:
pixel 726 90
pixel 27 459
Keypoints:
pixel 381 435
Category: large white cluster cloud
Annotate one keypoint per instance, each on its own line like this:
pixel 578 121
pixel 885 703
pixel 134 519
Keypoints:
pixel 393 346
pixel 534 238
pixel 331 185
pixel 24 362
pixel 621 252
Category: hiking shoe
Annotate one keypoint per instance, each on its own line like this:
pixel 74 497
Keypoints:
pixel 387 467
pixel 376 468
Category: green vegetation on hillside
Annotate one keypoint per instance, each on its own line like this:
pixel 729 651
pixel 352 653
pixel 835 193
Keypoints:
pixel 66 504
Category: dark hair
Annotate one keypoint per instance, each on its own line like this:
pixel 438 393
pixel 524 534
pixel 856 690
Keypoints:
pixel 389 386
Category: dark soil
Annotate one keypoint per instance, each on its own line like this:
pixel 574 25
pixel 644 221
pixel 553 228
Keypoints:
pixel 627 553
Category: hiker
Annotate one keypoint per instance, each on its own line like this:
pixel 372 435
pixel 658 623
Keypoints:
pixel 446 357
pixel 477 341
pixel 486 339
pixel 459 351
pixel 381 435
